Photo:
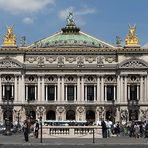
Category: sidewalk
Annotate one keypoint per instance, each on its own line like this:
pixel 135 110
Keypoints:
pixel 19 139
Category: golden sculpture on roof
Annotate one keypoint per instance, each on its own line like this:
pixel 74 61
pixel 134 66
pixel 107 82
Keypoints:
pixel 131 38
pixel 9 38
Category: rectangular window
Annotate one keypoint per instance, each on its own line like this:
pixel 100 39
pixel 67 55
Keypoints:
pixel 110 92
pixel 133 92
pixel 70 93
pixel 90 93
pixel 31 92
pixel 51 92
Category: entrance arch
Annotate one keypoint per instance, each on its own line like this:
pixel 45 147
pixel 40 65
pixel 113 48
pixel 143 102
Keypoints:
pixel 51 115
pixel 70 115
pixel 90 116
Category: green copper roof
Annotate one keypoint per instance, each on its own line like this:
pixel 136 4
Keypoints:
pixel 70 36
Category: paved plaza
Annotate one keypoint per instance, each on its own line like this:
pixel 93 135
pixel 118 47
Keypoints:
pixel 18 139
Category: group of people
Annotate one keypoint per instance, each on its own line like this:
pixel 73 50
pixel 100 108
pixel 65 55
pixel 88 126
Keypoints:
pixel 136 129
pixel 27 129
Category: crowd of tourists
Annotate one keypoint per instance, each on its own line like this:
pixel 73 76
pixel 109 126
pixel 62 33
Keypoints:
pixel 136 129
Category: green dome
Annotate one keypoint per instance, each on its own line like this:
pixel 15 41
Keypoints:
pixel 70 36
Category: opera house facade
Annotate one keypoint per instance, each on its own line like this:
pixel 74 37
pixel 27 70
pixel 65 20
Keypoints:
pixel 73 76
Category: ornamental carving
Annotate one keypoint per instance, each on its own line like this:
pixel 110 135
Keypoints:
pixel 60 61
pixel 80 109
pixel 7 79
pixel 71 59
pixel 51 79
pixel 31 79
pixel 110 59
pixel 110 79
pixel 41 61
pixel 100 62
pixel 90 79
pixel 101 109
pixel 134 64
pixel 70 79
pixel 50 59
pixel 60 110
pixel 9 63
pixel 31 59
pixel 80 61
pixel 90 59
pixel 144 114
pixel 124 114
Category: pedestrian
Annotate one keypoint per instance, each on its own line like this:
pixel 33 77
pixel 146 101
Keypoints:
pixel 104 129
pixel 36 129
pixel 26 130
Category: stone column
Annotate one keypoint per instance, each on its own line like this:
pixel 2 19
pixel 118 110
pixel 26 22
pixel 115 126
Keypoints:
pixel 46 91
pixel 12 91
pixel 65 92
pixel 43 89
pixel 78 89
pixel 85 92
pixel 98 89
pixel 19 90
pixel 141 89
pixel 125 88
pixel 26 92
pixel 137 92
pixel 35 92
pixel 3 90
pixel 102 89
pixel 75 93
pixel 94 93
pixel 118 89
pixel 15 89
pixel 23 88
pixel 128 89
pixel 82 88
pixel 105 93
pixel 59 95
pixel 121 86
pixel 62 89
pixel 55 92
pixel 114 92
pixel 0 89
pixel 39 88
pixel 145 88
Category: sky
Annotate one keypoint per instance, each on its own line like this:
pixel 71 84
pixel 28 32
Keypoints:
pixel 103 19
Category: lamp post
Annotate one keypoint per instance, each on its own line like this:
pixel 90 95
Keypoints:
pixel 40 111
pixel 8 108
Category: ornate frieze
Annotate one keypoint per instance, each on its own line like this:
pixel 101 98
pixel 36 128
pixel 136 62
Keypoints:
pixel 71 59
pixel 7 78
pixel 30 79
pixel 100 62
pixel 60 109
pixel 90 79
pixel 133 79
pixel 51 79
pixel 80 109
pixel 51 59
pixel 41 61
pixel 60 61
pixel 70 79
pixel 134 63
pixel 9 63
pixel 110 79
pixel 80 61
pixel 110 59
pixel 30 59
pixel 90 59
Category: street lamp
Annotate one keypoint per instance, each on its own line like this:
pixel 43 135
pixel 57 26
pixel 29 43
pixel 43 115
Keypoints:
pixel 8 108
pixel 40 111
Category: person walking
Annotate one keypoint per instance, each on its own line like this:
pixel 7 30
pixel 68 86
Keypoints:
pixel 104 129
pixel 26 130
pixel 36 130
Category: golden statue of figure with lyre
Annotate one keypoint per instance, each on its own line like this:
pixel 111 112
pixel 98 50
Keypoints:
pixel 131 38
pixel 9 38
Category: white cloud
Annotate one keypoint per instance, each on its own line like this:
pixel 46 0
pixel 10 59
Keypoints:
pixel 77 13
pixel 145 45
pixel 29 6
pixel 28 20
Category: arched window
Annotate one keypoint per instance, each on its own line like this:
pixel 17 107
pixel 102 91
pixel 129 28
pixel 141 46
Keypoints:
pixel 70 115
pixel 51 115
pixel 90 116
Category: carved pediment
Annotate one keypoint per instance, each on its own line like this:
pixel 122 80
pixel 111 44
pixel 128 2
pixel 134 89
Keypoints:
pixel 10 63
pixel 134 63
